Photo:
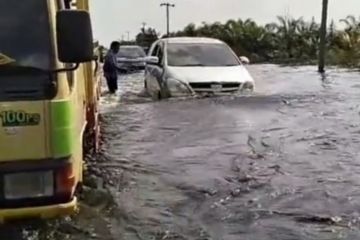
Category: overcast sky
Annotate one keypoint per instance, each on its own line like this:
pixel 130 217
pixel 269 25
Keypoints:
pixel 113 18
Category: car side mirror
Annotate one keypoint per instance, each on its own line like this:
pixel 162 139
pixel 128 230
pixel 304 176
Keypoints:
pixel 244 60
pixel 74 36
pixel 152 60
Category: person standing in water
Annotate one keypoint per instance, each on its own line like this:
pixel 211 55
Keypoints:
pixel 111 68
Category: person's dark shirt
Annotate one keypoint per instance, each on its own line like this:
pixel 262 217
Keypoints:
pixel 110 65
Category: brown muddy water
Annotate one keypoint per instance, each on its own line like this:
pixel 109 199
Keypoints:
pixel 281 163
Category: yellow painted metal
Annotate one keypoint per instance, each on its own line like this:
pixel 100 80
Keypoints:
pixel 28 142
pixel 79 89
pixel 44 212
pixel 83 4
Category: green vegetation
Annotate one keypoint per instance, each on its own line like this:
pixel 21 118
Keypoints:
pixel 146 37
pixel 288 41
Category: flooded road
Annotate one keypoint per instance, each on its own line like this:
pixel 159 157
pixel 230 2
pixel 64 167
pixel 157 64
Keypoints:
pixel 280 164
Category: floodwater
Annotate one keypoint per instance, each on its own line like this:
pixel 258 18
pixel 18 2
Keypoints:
pixel 282 163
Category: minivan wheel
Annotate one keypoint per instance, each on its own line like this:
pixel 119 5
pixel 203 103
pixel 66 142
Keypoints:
pixel 156 96
pixel 164 92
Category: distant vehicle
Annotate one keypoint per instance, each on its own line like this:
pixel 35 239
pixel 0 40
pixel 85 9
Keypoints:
pixel 187 66
pixel 131 58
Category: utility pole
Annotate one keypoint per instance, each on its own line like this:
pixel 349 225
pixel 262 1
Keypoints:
pixel 128 35
pixel 167 5
pixel 322 47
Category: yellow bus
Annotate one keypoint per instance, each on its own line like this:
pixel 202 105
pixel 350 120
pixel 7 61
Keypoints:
pixel 49 90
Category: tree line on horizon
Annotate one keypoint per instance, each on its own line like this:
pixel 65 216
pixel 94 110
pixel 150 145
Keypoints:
pixel 287 41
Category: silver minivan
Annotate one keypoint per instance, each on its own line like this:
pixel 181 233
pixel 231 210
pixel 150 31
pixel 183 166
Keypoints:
pixel 191 65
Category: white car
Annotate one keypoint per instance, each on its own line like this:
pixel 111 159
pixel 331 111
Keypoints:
pixel 187 66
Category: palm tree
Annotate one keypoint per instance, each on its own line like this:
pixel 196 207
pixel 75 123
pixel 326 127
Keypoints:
pixel 309 40
pixel 348 43
pixel 289 40
pixel 323 36
pixel 288 37
pixel 352 24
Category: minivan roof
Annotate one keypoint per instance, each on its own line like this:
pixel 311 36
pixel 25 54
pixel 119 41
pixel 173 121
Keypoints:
pixel 191 40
